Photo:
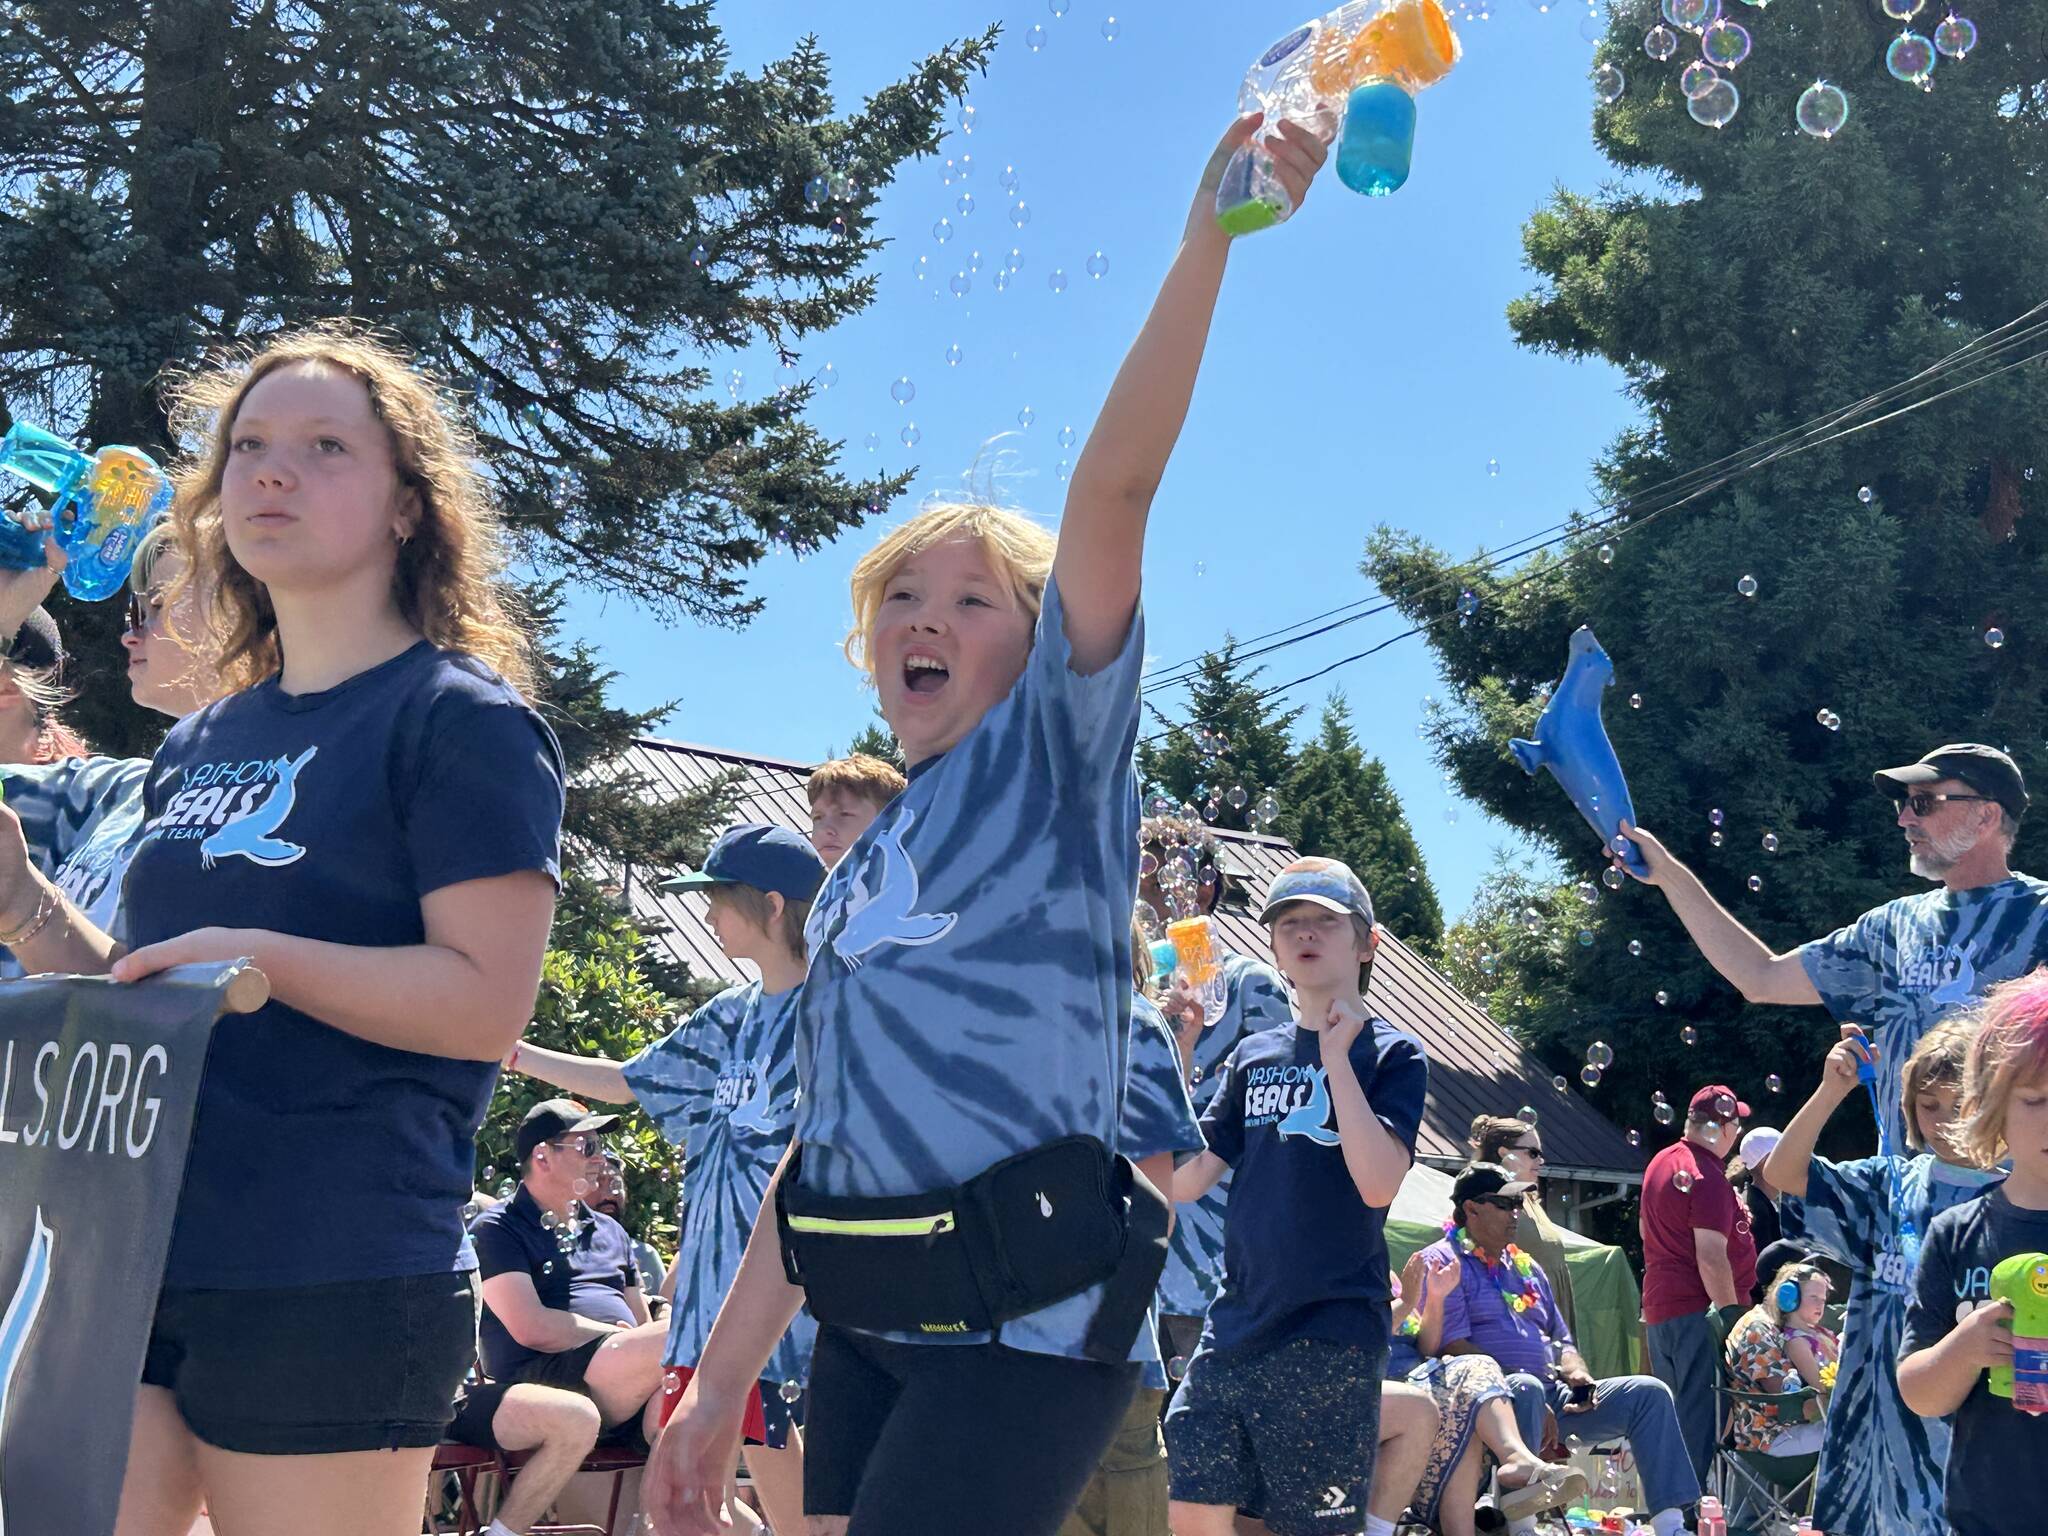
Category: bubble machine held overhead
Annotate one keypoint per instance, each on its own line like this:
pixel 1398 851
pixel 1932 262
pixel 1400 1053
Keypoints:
pixel 101 504
pixel 1359 68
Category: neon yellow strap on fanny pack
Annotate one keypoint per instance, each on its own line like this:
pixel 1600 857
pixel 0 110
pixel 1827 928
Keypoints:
pixel 906 1226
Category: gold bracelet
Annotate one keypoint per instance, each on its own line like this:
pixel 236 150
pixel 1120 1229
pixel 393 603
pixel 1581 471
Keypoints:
pixel 47 903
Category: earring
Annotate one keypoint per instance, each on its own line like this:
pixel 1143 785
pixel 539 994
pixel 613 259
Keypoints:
pixel 402 538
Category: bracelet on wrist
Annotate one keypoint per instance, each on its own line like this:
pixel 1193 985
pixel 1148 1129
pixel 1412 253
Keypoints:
pixel 47 901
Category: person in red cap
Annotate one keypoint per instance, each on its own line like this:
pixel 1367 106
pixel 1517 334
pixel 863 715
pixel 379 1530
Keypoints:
pixel 1698 1254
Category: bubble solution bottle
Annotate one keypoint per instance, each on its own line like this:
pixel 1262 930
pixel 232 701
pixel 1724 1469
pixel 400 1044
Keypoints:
pixel 1358 70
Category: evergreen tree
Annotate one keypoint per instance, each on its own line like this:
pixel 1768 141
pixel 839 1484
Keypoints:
pixel 1766 278
pixel 1338 803
pixel 562 207
pixel 1248 743
pixel 877 740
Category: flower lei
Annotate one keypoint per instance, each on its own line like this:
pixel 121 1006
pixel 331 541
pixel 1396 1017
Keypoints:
pixel 1512 1261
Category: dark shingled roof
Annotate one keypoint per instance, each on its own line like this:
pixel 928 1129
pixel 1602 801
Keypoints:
pixel 1475 1066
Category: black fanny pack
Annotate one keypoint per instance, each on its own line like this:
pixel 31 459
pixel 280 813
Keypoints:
pixel 1029 1231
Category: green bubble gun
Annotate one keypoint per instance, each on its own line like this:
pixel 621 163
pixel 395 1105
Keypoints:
pixel 2023 1281
pixel 101 504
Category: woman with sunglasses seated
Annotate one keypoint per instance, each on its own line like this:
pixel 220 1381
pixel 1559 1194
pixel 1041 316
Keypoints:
pixel 82 816
pixel 1900 967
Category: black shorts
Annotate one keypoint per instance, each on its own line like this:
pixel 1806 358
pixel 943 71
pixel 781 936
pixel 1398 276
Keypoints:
pixel 1286 1435
pixel 954 1437
pixel 565 1369
pixel 310 1370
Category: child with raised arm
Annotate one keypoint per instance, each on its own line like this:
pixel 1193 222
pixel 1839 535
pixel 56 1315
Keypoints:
pixel 722 1085
pixel 1880 1463
pixel 1956 1332
pixel 1278 1416
pixel 963 1032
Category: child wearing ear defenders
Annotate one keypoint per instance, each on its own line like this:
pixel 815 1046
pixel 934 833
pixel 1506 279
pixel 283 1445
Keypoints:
pixel 1762 1355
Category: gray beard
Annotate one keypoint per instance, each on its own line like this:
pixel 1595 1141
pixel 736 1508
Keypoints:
pixel 1934 858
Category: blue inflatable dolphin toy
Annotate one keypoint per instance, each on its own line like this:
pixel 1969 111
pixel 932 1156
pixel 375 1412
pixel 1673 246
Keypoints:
pixel 1572 743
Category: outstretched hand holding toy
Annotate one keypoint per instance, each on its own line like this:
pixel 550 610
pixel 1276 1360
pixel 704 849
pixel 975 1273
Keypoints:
pixel 2022 1279
pixel 1572 743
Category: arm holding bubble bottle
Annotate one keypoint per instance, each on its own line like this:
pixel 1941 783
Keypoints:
pixel 1745 962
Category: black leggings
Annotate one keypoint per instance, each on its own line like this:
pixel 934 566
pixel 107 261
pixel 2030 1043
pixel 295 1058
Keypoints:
pixel 945 1438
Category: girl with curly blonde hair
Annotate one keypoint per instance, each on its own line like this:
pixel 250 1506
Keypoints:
pixel 373 817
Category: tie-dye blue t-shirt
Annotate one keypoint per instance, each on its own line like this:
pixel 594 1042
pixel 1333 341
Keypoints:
pixel 1158 1117
pixel 1880 1466
pixel 82 821
pixel 722 1086
pixel 969 990
pixel 1254 999
pixel 1898 969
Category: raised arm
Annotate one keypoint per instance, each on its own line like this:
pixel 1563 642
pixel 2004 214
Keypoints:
pixel 1376 1161
pixel 1785 1169
pixel 1745 961
pixel 587 1077
pixel 1102 536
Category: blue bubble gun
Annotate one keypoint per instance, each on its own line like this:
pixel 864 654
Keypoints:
pixel 1572 743
pixel 101 504
pixel 1360 67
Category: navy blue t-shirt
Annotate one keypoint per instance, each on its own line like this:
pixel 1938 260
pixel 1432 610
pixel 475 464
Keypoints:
pixel 1984 1492
pixel 318 1156
pixel 1304 1257
pixel 588 1275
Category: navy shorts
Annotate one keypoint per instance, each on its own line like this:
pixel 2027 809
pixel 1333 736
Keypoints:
pixel 1286 1435
pixel 363 1365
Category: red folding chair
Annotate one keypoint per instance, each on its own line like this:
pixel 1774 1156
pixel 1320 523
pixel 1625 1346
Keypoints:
pixel 469 1463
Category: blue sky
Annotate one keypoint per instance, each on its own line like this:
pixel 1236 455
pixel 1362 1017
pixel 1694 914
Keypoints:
pixel 1361 370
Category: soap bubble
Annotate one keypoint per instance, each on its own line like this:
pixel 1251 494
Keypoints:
pixel 1588 892
pixel 1558 1084
pixel 1468 604
pixel 1239 797
pixel 1613 878
pixel 1903 10
pixel 1688 1035
pixel 791 1392
pixel 1635 701
pixel 1660 42
pixel 965 204
pixel 1746 586
pixel 1994 637
pixel 672 1382
pixel 1770 842
pixel 1001 281
pixel 1755 883
pixel 1020 213
pixel 1177 1367
pixel 1681 1181
pixel 1716 106
pixel 1268 809
pixel 1821 109
pixel 1697 78
pixel 1062 469
pixel 953 355
pixel 1056 280
pixel 1026 416
pixel 1098 266
pixel 961 284
pixel 1606 554
pixel 1663 999
pixel 1829 720
pixel 734 383
pixel 942 231
pixel 1635 948
pixel 966 117
pixel 1591 27
pixel 1111 29
pixel 1725 44
pixel 903 391
pixel 1865 495
pixel 1586 938
pixel 1493 466
pixel 1057 7
pixel 1910 58
pixel 1775 1083
pixel 873 441
pixel 1600 1054
pixel 506 1189
pixel 1590 1075
pixel 1663 1113
pixel 1035 38
pixel 828 376
pixel 699 254
pixel 966 166
pixel 816 190
pixel 1724 1106
pixel 1067 437
pixel 1008 178
pixel 1716 817
pixel 1716 838
pixel 1635 1137
pixel 910 435
pixel 1955 37
pixel 1526 1115
pixel 1608 84
pixel 1692 15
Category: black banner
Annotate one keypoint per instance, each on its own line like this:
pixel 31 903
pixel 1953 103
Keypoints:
pixel 98 1083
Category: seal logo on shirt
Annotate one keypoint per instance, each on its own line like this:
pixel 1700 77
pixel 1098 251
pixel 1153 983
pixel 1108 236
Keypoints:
pixel 20 1318
pixel 1294 1099
pixel 236 809
pixel 1946 972
pixel 884 910
pixel 742 1092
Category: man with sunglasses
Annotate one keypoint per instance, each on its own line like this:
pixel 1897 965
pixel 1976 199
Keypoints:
pixel 1900 967
pixel 562 1296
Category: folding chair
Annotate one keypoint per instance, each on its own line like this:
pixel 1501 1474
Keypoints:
pixel 1764 1495
pixel 466 1464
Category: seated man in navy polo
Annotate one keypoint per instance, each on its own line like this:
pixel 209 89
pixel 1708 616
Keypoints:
pixel 1502 1306
pixel 562 1298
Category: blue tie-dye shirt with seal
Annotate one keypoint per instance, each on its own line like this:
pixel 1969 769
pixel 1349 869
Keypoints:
pixel 722 1086
pixel 1900 968
pixel 969 992
pixel 1254 1000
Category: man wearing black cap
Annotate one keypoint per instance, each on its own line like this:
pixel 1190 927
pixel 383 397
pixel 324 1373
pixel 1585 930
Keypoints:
pixel 562 1299
pixel 1898 968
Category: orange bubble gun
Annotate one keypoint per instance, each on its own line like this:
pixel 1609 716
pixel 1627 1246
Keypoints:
pixel 2022 1280
pixel 1194 946
pixel 1358 67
